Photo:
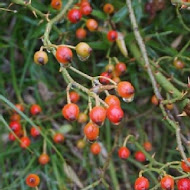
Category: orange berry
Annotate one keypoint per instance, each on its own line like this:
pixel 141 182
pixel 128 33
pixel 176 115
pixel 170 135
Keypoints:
pixel 15 117
pixel 92 25
pixel 40 57
pixel 108 8
pixel 91 131
pixel 19 107
pixel 120 68
pixel 81 33
pixel 43 159
pixel 32 180
pixel 184 166
pixel 70 112
pixel 147 146
pixel 35 109
pixel 154 100
pixel 112 100
pixel 74 96
pixel 56 4
pixel 58 138
pixel 25 142
pixel 169 106
pixel 125 89
pixel 95 148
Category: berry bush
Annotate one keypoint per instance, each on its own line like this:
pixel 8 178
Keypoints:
pixel 94 94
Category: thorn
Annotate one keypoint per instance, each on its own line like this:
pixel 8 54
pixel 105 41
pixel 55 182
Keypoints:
pixel 60 69
pixel 10 5
pixel 154 154
pixel 183 114
pixel 34 13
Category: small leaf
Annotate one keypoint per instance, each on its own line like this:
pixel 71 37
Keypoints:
pixel 120 15
pixel 121 44
pixel 99 14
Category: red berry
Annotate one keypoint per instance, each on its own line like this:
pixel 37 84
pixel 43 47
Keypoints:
pixel 98 115
pixel 19 107
pixel 147 146
pixel 35 109
pixel 92 25
pixel 70 112
pixel 139 156
pixel 56 4
pixel 91 131
pixel 95 148
pixel 184 166
pixel 25 142
pixel 35 132
pixel 32 180
pixel 125 89
pixel 167 183
pixel 183 184
pixel 58 138
pixel 154 100
pixel 15 126
pixel 123 152
pixel 104 80
pixel 64 55
pixel 81 33
pixel 120 68
pixel 141 183
pixel 115 114
pixel 112 100
pixel 74 96
pixel 112 35
pixel 12 137
pixel 43 159
pixel 74 15
pixel 86 9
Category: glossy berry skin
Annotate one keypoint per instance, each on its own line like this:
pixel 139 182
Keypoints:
pixel 141 183
pixel 81 33
pixel 184 166
pixel 83 49
pixel 92 25
pixel 19 107
pixel 58 138
pixel 123 152
pixel 70 112
pixel 74 96
pixel 139 156
pixel 147 146
pixel 64 55
pixel 56 4
pixel 91 131
pixel 82 118
pixel 15 117
pixel 108 8
pixel 95 148
pixel 35 109
pixel 115 114
pixel 179 64
pixel 183 184
pixel 112 100
pixel 125 89
pixel 81 144
pixel 154 100
pixel 86 9
pixel 98 115
pixel 25 142
pixel 43 159
pixel 120 68
pixel 35 132
pixel 40 57
pixel 32 180
pixel 15 126
pixel 167 183
pixel 74 15
pixel 112 35
pixel 104 80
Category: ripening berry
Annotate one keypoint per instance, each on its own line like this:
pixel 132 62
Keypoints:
pixel 116 79
pixel 32 180
pixel 109 68
pixel 15 117
pixel 19 107
pixel 104 80
pixel 56 4
pixel 95 148
pixel 141 183
pixel 83 50
pixel 167 183
pixel 147 146
pixel 112 35
pixel 115 114
pixel 169 106
pixel 81 144
pixel 81 33
pixel 108 8
pixel 58 138
pixel 15 126
pixel 35 109
pixel 70 112
pixel 184 166
pixel 74 15
pixel 35 132
pixel 120 68
pixel 123 152
pixel 91 131
pixel 43 159
pixel 91 24
pixel 125 89
pixel 183 184
pixel 64 55
pixel 25 142
pixel 40 57
pixel 82 118
pixel 179 64
pixel 139 156
pixel 98 115
pixel 74 96
pixel 112 100
pixel 154 100
pixel 85 9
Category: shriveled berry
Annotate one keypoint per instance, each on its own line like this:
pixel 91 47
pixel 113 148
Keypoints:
pixel 184 166
pixel 43 159
pixel 154 100
pixel 83 49
pixel 112 100
pixel 98 115
pixel 108 8
pixel 56 4
pixel 95 148
pixel 123 152
pixel 125 89
pixel 64 55
pixel 147 146
pixel 25 142
pixel 58 138
pixel 35 132
pixel 15 126
pixel 105 75
pixel 32 180
pixel 92 25
pixel 70 112
pixel 91 131
pixel 112 35
pixel 183 184
pixel 115 114
pixel 40 57
pixel 74 96
pixel 139 156
pixel 82 118
pixel 141 183
pixel 120 68
pixel 74 15
pixel 81 33
pixel 167 183
pixel 35 109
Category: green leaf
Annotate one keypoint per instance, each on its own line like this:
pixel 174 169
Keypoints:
pixel 120 15
pixel 99 14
